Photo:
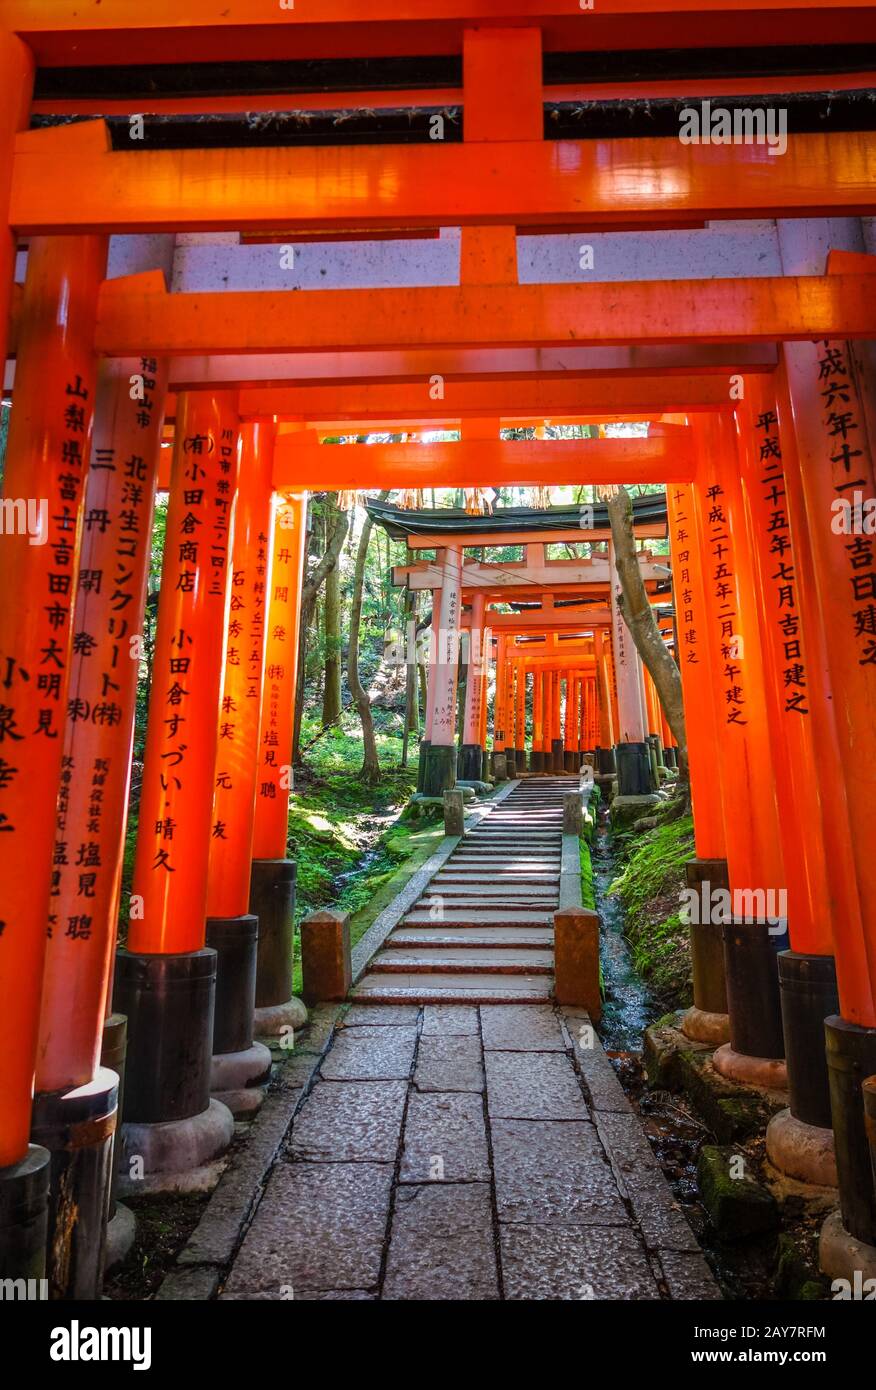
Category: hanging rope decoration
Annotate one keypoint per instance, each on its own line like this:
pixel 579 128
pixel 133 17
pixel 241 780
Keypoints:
pixel 349 499
pixel 411 499
pixel 477 501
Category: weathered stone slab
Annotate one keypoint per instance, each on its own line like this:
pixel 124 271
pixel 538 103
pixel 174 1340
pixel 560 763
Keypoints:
pixel 446 1019
pixel 449 1064
pixel 441 1247
pixel 445 1139
pixel 350 1121
pixel 600 1077
pixel 574 1262
pixel 370 1054
pixel 533 1086
pixel 518 1028
pixel 388 1016
pixel 550 1172
pixel 688 1276
pixel 319 1226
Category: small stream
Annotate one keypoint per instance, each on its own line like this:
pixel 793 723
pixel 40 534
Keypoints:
pixel 627 1008
pixel 674 1131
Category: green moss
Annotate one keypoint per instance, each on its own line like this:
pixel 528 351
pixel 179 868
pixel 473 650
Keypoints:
pixel 588 890
pixel 650 888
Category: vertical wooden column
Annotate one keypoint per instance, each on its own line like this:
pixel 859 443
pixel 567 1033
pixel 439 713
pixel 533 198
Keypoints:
pixel 510 706
pixel 98 737
pixel 74 1094
pixel 603 683
pixel 753 845
pixel 536 756
pixel 631 728
pixel 166 978
pixel 707 1020
pixel 501 709
pixel 274 775
pixel 240 711
pixel 430 690
pixel 570 724
pixel 16 87
pixel 520 720
pixel 272 886
pixel 556 739
pixel 46 462
pixel 173 838
pixel 441 757
pixel 232 931
pixel 472 748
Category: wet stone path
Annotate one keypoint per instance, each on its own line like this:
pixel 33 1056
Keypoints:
pixel 467 1152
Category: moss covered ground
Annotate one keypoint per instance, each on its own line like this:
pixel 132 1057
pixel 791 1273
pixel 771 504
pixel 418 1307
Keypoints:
pixel 650 889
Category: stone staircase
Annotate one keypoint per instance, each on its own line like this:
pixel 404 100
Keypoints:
pixel 482 931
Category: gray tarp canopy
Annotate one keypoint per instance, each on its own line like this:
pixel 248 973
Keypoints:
pixel 401 523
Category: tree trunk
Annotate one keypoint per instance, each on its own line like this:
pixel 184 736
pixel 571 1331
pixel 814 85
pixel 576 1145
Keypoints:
pixel 309 591
pixel 370 772
pixel 331 694
pixel 636 611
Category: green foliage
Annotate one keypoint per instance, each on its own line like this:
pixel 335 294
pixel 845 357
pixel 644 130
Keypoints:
pixel 649 889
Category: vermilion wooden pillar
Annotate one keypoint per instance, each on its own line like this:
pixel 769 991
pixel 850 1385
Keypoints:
pixel 73 1091
pixel 520 720
pixel 16 86
pixel 536 756
pixel 165 979
pixel 441 757
pixel 555 747
pixel 272 888
pixel 475 689
pixel 753 846
pixel 707 1020
pixel 831 455
pixel 698 677
pixel 46 464
pixel 232 931
pixel 603 682
pixel 631 728
pixel 501 705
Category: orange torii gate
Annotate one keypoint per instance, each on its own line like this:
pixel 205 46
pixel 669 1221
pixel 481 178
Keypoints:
pixel 66 188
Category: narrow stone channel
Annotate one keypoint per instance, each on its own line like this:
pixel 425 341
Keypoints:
pixel 628 1007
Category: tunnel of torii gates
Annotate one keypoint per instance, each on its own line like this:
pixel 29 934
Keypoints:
pixel 727 300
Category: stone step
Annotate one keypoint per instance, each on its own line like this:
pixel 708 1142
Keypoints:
pixel 506 894
pixel 460 898
pixel 462 960
pixel 523 938
pixel 525 877
pixel 449 988
pixel 486 917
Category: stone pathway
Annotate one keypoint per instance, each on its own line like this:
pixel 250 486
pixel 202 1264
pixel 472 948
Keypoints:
pixel 470 1153
pixel 482 931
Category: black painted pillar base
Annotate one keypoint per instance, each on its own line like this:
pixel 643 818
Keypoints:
pixel 171 1124
pixel 235 941
pixel 557 755
pixel 851 1059
pixel 421 762
pixel 606 762
pixel 272 903
pixel 440 775
pixel 510 763
pixel 520 762
pixel 752 975
pixel 633 769
pixel 808 993
pixel 77 1126
pixel 571 760
pixel 670 757
pixel 24 1216
pixel 705 876
pixel 471 762
pixel 536 760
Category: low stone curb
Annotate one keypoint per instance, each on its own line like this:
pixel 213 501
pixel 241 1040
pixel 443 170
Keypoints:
pixel 204 1260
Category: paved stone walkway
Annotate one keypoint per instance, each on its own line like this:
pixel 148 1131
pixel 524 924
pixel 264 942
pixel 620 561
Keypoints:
pixel 469 1153
pixel 482 931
